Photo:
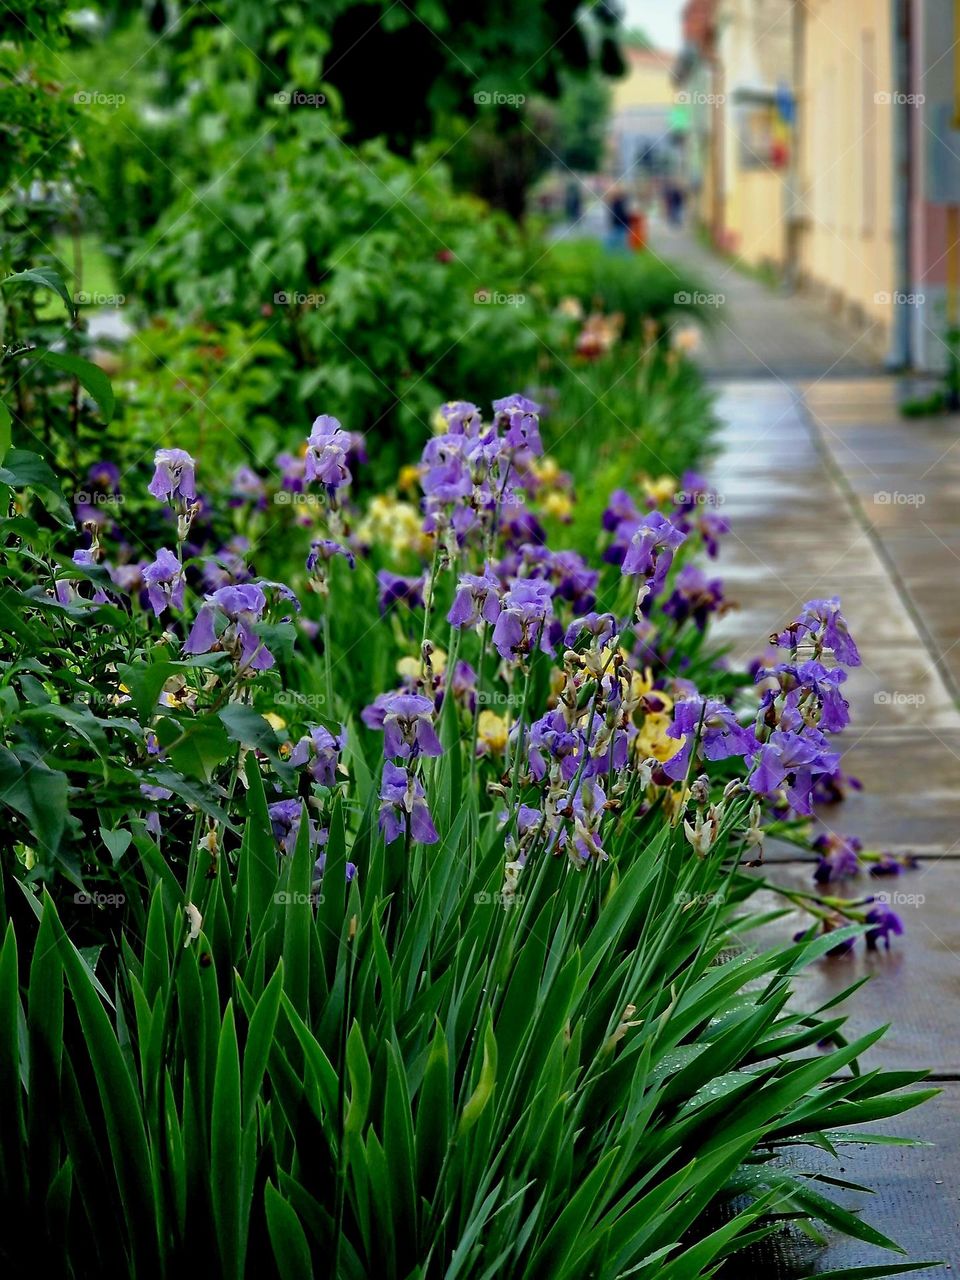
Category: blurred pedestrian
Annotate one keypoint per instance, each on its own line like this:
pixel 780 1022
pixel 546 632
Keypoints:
pixel 574 202
pixel 618 216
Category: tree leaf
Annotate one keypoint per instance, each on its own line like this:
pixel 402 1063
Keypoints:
pixel 44 278
pixel 90 376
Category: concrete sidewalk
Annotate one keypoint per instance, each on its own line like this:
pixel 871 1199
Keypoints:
pixel 830 491
pixel 759 331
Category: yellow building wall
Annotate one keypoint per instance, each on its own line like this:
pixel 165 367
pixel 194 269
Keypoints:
pixel 754 217
pixel 647 82
pixel 847 154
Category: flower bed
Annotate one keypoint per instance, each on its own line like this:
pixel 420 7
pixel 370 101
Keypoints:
pixel 373 885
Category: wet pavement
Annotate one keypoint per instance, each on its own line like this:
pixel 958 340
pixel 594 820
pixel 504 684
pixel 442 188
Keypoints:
pixel 830 491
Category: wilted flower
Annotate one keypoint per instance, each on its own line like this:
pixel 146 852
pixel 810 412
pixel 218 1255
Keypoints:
pixel 839 858
pixel 883 922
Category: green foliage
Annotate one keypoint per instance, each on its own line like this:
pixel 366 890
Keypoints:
pixel 638 285
pixel 556 1089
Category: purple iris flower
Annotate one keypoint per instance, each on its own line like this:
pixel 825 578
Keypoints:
pixel 326 457
pixel 165 582
pixel 883 922
pixel 247 487
pixel 104 475
pixel 790 761
pixel 320 866
pixel 285 822
pixel 173 477
pixel 150 792
pixel 550 739
pixel 448 479
pixel 462 418
pixel 292 469
pixel 574 579
pixel 601 627
pixel 463 684
pixel 127 577
pixel 694 490
pixel 477 600
pixel 694 596
pixel 650 553
pixel 323 550
pixel 838 858
pixel 620 509
pixel 356 449
pixel 525 611
pixel 521 417
pixel 403 804
pixel 802 679
pixel 721 733
pixel 524 527
pixel 529 820
pixel 825 625
pixel 320 751
pixel 887 865
pixel 242 607
pixel 395 589
pixel 408 726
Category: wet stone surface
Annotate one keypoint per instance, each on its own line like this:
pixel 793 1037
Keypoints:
pixel 800 474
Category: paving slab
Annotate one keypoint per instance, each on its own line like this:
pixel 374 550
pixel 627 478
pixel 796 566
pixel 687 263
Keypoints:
pixel 830 491
pixel 910 986
pixel 916 1201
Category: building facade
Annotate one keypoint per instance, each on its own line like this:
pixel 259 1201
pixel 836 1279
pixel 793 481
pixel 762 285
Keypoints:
pixel 831 151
